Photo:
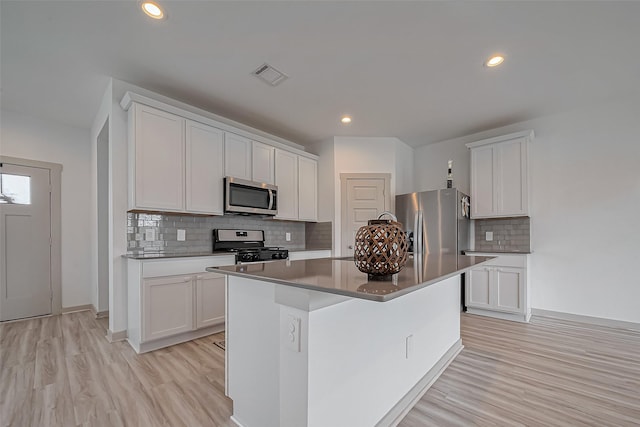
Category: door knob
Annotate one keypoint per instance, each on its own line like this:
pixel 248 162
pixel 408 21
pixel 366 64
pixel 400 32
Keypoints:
pixel 350 247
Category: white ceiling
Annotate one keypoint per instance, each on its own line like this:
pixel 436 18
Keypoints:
pixel 407 69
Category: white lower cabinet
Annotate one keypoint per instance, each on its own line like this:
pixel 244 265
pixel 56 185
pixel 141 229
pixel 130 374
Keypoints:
pixel 167 309
pixel 210 292
pixel 499 288
pixel 167 306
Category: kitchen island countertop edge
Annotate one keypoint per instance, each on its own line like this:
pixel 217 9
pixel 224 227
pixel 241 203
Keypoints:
pixel 340 275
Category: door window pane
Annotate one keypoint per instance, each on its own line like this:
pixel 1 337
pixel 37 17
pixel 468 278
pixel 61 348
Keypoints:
pixel 15 189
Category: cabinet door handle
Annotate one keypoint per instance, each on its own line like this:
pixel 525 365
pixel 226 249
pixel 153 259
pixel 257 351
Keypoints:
pixel 187 280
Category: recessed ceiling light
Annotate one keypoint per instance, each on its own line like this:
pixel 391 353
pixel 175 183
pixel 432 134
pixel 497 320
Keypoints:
pixel 494 61
pixel 152 9
pixel 345 120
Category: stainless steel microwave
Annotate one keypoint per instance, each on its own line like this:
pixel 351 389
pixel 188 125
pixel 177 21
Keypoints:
pixel 248 197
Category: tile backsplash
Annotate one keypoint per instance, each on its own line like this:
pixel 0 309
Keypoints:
pixel 509 234
pixel 199 231
pixel 318 235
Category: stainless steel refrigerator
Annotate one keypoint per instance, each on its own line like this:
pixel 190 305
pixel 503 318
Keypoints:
pixel 435 221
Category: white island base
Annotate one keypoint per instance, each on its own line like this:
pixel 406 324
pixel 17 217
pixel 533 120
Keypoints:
pixel 299 357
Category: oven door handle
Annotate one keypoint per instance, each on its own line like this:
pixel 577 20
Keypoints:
pixel 270 199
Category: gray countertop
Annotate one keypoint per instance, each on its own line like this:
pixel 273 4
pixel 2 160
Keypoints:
pixel 159 255
pixel 340 275
pixel 506 252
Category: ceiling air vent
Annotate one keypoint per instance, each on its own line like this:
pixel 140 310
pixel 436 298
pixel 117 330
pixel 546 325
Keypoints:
pixel 270 75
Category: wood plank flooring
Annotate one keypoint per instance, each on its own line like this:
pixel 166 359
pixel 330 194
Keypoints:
pixel 546 373
pixel 60 371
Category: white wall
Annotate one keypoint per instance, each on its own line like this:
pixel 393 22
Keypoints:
pixel 99 298
pixel 585 204
pixel 36 139
pixel 431 165
pixel 359 155
pixel 405 179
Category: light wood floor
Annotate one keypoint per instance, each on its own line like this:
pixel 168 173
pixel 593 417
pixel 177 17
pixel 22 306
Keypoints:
pixel 545 373
pixel 60 371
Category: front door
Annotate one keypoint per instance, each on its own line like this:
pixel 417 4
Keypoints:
pixel 25 242
pixel 364 198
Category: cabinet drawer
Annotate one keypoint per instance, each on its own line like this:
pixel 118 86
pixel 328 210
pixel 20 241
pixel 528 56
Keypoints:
pixel 175 266
pixel 502 260
pixel 294 256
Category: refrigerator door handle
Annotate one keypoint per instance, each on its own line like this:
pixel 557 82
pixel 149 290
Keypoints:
pixel 417 238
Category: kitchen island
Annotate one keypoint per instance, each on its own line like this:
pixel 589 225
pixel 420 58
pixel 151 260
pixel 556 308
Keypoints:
pixel 314 343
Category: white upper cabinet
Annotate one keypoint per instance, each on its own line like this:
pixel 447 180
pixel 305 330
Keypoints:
pixel 307 189
pixel 157 157
pixel 500 176
pixel 204 168
pixel 287 182
pixel 263 163
pixel 176 164
pixel 297 181
pixel 178 161
pixel 237 156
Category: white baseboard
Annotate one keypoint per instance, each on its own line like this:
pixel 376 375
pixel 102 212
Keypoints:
pixel 523 318
pixel 402 408
pixel 85 307
pixel 235 421
pixel 600 321
pixel 99 314
pixel 177 339
pixel 116 336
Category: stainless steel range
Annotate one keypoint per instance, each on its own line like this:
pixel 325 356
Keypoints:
pixel 248 246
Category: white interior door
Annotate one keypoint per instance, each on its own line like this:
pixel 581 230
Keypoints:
pixel 25 242
pixel 366 198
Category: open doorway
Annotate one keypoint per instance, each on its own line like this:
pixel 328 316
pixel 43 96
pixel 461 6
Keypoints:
pixel 103 232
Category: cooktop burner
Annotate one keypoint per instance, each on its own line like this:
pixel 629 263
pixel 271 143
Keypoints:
pixel 248 245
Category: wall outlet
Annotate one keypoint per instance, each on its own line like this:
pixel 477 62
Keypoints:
pixel 150 235
pixel 287 237
pixel 292 333
pixel 488 236
pixel 182 235
pixel 408 346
